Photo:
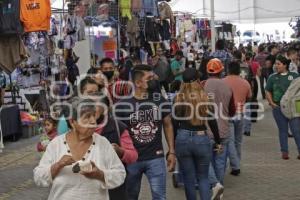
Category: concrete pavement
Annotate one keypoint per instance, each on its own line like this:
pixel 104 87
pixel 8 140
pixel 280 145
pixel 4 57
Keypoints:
pixel 264 176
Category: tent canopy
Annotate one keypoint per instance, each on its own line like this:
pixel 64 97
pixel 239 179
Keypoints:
pixel 59 4
pixel 244 11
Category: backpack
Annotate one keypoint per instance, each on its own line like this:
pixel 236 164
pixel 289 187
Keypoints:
pixel 290 102
pixel 73 72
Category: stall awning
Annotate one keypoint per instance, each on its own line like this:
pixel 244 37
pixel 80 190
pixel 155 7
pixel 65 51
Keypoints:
pixel 245 11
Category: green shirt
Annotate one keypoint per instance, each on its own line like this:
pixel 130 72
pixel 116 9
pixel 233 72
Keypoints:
pixel 176 67
pixel 278 84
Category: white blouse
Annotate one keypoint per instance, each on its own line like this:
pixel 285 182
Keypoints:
pixel 72 186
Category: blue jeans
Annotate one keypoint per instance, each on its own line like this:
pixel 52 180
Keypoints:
pixel 235 142
pixel 194 155
pixel 155 171
pixel 247 120
pixel 283 123
pixel 217 166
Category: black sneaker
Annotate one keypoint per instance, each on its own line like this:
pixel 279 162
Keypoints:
pixel 235 172
pixel 290 135
pixel 247 133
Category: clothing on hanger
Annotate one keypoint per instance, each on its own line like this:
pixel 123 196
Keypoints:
pixel 12 52
pixel 150 8
pixel 165 12
pixel 136 5
pixel 10 17
pixel 125 6
pixel 35 15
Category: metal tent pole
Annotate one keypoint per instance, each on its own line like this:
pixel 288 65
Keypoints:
pixel 254 19
pixel 212 25
pixel 12 90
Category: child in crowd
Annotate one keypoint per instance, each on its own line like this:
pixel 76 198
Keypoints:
pixel 50 133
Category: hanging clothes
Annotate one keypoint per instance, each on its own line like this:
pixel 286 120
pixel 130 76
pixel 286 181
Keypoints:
pixel 37 46
pixel 12 53
pixel 10 17
pixel 151 30
pixel 53 27
pixel 150 8
pixel 165 12
pixel 125 6
pixel 35 15
pixel 188 25
pixel 133 31
pixel 136 5
pixel 164 30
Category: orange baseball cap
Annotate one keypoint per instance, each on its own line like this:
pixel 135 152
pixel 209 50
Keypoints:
pixel 214 66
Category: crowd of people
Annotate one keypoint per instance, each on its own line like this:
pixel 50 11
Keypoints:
pixel 202 102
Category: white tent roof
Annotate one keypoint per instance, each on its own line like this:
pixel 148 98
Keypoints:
pixel 245 11
pixel 58 4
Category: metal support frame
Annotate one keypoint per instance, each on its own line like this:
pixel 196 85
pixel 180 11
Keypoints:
pixel 212 24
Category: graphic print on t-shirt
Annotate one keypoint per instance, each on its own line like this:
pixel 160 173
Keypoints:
pixel 144 128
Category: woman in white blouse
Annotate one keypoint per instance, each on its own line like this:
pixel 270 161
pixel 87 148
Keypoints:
pixel 80 144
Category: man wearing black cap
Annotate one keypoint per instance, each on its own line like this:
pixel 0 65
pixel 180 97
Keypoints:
pixel 177 65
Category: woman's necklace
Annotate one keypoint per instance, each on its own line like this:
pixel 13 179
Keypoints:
pixel 86 154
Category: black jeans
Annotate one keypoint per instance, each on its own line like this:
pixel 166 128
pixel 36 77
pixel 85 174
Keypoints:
pixel 118 193
pixel 266 72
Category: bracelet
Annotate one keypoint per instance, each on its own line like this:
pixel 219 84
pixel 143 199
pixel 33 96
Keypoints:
pixel 169 153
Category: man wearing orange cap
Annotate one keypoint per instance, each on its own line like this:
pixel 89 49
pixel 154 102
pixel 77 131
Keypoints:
pixel 221 94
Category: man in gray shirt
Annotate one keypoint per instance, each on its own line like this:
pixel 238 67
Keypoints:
pixel 222 96
pixel 161 68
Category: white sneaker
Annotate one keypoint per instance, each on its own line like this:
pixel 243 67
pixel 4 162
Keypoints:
pixel 217 191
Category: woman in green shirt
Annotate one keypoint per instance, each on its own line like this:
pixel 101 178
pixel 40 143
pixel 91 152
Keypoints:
pixel 277 85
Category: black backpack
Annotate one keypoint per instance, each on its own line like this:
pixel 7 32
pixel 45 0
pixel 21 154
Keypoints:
pixel 73 72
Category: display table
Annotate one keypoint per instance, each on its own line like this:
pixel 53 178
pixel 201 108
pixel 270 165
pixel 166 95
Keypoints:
pixel 10 122
pixel 30 129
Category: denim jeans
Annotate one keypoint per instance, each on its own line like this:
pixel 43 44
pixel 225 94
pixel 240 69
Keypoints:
pixel 235 142
pixel 218 163
pixel 155 171
pixel 247 120
pixel 283 123
pixel 194 155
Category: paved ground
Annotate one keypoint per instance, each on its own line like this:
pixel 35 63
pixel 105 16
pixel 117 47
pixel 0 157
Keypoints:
pixel 264 175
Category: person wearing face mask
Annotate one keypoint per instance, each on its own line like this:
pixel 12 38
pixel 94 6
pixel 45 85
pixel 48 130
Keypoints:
pixel 117 88
pixel 277 85
pixel 177 65
pixel 80 164
pixel 145 114
pixel 113 130
pixel 162 68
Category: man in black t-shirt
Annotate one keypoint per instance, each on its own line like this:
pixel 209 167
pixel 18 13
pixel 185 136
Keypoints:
pixel 145 114
pixel 273 50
